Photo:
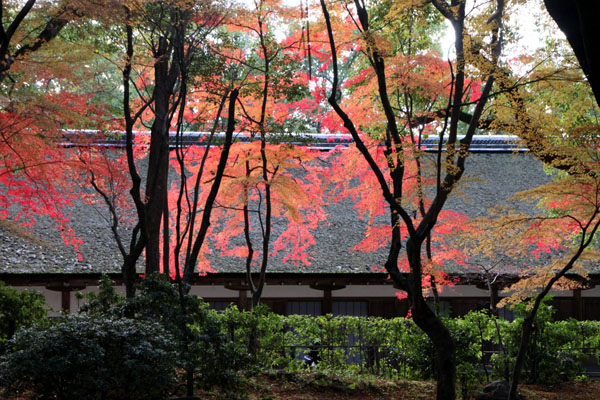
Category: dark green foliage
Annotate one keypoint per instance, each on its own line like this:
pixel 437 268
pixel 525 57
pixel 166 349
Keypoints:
pixel 396 348
pixel 200 342
pixel 468 354
pixel 218 358
pixel 345 345
pixel 105 302
pixel 552 355
pixel 19 308
pixel 91 357
pixel 132 346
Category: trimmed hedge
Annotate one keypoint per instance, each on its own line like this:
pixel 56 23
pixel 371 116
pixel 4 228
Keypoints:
pixel 397 348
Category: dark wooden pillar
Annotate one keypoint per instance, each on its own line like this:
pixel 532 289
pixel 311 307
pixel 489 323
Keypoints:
pixel 241 288
pixel 327 288
pixel 243 300
pixel 327 307
pixel 65 290
pixel 577 305
pixel 65 302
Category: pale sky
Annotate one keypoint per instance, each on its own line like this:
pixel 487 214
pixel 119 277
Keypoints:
pixel 526 20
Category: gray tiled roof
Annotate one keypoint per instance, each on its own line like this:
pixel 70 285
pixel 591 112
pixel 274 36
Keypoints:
pixel 490 178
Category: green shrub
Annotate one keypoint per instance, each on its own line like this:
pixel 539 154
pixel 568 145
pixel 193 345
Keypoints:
pixel 106 302
pixel 468 353
pixel 19 308
pixel 552 355
pixel 201 344
pixel 346 345
pixel 397 348
pixel 258 335
pixel 218 358
pixel 420 355
pixel 85 357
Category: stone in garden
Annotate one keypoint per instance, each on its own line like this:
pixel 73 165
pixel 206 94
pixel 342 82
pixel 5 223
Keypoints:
pixel 497 390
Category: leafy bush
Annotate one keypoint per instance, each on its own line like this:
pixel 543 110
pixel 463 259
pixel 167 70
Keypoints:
pixel 218 358
pixel 202 348
pixel 552 355
pixel 201 344
pixel 213 346
pixel 346 344
pixel 84 357
pixel 468 353
pixel 257 335
pixel 106 302
pixel 397 348
pixel 19 308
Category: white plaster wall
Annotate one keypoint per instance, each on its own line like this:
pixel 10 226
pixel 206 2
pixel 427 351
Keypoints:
pixel 366 291
pixel 291 292
pixel 555 293
pixel 593 292
pixel 53 299
pixel 213 292
pixel 562 293
pixel 463 290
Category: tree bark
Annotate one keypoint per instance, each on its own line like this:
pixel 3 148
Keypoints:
pixel 137 241
pixel 158 161
pixel 588 232
pixel 445 349
pixel 192 256
pixel 434 328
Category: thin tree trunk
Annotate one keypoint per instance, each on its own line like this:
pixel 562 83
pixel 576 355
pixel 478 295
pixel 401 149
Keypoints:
pixel 192 257
pixel 138 239
pixel 166 250
pixel 588 232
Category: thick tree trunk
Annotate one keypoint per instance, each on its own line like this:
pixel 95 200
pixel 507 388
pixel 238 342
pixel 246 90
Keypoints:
pixel 445 349
pixel 434 328
pixel 129 273
pixel 156 192
pixel 158 167
pixel 158 162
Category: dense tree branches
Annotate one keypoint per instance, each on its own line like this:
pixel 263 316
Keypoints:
pixel 397 157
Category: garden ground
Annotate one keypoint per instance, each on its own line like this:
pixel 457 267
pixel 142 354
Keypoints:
pixel 321 387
